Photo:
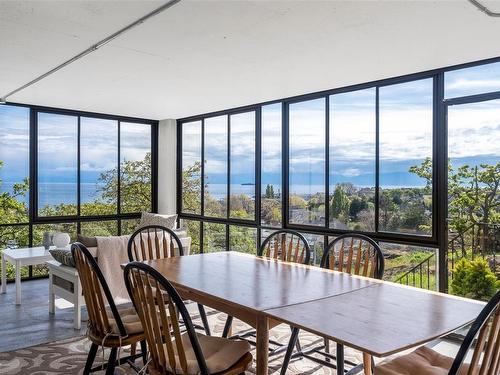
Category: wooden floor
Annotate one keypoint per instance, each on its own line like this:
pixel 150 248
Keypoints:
pixel 30 323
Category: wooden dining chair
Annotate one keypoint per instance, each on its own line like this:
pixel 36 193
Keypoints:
pixel 355 254
pixel 483 337
pixel 109 325
pixel 157 242
pixel 172 351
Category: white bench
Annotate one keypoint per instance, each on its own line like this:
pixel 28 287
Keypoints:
pixel 64 283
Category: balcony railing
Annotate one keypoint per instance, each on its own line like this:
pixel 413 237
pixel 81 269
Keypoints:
pixel 477 240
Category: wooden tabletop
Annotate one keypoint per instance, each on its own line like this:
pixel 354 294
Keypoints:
pixel 252 282
pixel 382 319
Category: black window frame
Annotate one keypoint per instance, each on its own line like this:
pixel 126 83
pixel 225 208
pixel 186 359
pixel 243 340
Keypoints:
pixel 439 236
pixel 34 218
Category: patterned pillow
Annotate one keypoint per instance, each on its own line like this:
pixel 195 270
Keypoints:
pixel 167 221
pixel 63 256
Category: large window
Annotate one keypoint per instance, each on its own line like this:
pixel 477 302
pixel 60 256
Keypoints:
pixel 98 157
pixel 215 178
pixel 307 162
pixel 406 123
pixel 271 174
pixel 191 167
pixel 371 158
pixel 352 160
pixel 242 167
pixel 57 154
pixel 135 167
pixel 89 174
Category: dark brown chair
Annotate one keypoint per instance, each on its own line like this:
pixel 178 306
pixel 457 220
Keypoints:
pixel 157 242
pixel 354 254
pixel 484 335
pixel 172 352
pixel 109 326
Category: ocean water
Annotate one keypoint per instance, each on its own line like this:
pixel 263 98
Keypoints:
pixel 56 193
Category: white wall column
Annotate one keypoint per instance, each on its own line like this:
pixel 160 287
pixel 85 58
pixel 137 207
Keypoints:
pixel 167 166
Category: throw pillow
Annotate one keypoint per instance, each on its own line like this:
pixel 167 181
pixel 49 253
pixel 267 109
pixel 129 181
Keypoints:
pixel 87 241
pixel 167 221
pixel 63 256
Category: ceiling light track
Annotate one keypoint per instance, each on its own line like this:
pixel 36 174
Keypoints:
pixel 92 48
pixel 484 9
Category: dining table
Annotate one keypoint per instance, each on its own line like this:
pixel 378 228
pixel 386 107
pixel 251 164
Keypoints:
pixel 377 317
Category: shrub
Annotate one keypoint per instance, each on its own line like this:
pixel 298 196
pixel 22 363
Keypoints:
pixel 474 279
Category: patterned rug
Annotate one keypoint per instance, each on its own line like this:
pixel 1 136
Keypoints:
pixel 69 356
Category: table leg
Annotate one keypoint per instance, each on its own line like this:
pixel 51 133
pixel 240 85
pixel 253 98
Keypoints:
pixel 52 297
pixel 262 345
pixel 77 318
pixel 340 359
pixel 18 282
pixel 367 363
pixel 4 275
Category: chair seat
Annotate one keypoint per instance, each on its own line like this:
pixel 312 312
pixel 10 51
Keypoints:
pixel 220 353
pixel 129 317
pixel 423 361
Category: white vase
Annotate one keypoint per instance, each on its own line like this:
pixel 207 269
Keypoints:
pixel 61 240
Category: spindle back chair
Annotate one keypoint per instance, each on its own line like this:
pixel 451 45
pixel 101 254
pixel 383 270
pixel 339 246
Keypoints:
pixel 159 307
pixel 286 245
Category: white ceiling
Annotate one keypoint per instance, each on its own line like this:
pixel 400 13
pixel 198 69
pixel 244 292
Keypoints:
pixel 202 56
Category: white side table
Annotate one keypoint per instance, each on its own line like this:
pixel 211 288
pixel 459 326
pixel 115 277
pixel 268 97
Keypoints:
pixel 30 256
pixel 65 283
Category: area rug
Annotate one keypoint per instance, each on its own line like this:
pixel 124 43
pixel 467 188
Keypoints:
pixel 69 356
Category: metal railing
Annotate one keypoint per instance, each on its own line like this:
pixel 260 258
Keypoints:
pixel 478 239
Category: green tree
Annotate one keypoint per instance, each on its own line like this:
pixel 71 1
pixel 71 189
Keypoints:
pixel 135 185
pixel 339 205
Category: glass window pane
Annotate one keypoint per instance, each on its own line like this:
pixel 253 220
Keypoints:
pixel 191 167
pixel 40 229
pixel 316 244
pixel 406 119
pixel 271 165
pixel 215 178
pixel 99 228
pixel 214 237
pixel 135 167
pixel 14 164
pixel 243 239
pixel 352 160
pixel 410 265
pixel 19 235
pixel 307 162
pixel 192 228
pixel 98 166
pixel 57 164
pixel 473 193
pixel 129 226
pixel 471 81
pixel 242 199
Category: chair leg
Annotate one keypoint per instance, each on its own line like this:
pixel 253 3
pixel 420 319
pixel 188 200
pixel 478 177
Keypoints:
pixel 327 349
pixel 110 370
pixel 90 359
pixel 227 326
pixel 291 344
pixel 144 352
pixel 204 319
pixel 367 364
